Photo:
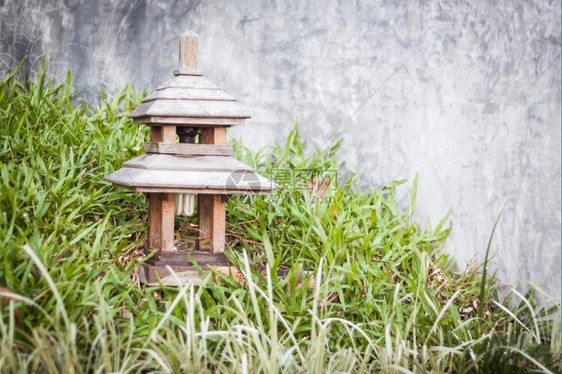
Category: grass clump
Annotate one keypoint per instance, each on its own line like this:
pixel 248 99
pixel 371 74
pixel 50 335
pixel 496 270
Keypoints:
pixel 364 287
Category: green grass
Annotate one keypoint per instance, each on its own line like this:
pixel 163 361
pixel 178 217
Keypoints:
pixel 378 294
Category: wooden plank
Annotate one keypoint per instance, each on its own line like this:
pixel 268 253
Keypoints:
pixel 188 50
pixel 188 149
pixel 154 214
pixel 189 108
pixel 205 220
pixel 161 225
pixel 202 190
pixel 211 218
pixel 188 94
pixel 213 136
pixel 156 134
pixel 187 258
pixel 194 190
pixel 188 81
pixel 156 161
pixel 165 133
pixel 188 121
pixel 188 71
pixel 185 275
pixel 168 217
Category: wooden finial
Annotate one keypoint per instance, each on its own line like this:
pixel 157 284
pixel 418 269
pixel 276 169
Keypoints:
pixel 188 53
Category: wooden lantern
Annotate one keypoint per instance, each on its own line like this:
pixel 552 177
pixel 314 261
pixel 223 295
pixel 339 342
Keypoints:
pixel 170 173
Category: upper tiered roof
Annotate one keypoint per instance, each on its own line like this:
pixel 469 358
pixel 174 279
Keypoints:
pixel 188 99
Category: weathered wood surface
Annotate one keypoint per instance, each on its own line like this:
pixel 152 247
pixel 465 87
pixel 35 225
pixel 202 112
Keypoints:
pixel 188 121
pixel 187 81
pixel 195 190
pixel 189 100
pixel 178 181
pixel 188 149
pixel 212 208
pixel 188 50
pixel 165 133
pixel 189 108
pixel 185 275
pixel 213 136
pixel 211 217
pixel 161 225
pixel 197 174
pixel 185 93
pixel 187 258
pixel 155 161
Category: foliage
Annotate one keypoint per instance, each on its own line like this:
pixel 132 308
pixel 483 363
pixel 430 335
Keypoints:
pixel 365 288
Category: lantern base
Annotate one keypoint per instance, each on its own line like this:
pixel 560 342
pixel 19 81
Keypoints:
pixel 177 268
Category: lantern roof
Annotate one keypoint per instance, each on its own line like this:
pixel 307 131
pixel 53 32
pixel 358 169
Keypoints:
pixel 190 174
pixel 188 99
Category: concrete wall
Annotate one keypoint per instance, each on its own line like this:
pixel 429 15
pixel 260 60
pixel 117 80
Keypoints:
pixel 467 93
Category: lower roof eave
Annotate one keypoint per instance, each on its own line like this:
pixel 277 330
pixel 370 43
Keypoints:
pixel 205 191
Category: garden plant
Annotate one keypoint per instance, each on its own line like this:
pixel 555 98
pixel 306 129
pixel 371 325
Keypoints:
pixel 335 278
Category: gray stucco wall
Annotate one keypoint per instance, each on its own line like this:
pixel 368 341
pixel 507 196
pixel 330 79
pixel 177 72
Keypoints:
pixel 467 93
